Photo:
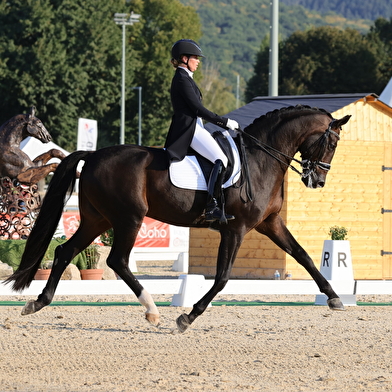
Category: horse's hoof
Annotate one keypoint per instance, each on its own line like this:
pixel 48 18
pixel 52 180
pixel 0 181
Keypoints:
pixel 29 308
pixel 335 304
pixel 183 323
pixel 153 319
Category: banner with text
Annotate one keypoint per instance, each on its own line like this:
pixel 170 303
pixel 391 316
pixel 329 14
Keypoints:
pixel 152 234
pixel 87 134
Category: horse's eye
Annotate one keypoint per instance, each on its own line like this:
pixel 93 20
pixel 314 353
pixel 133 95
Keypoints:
pixel 332 146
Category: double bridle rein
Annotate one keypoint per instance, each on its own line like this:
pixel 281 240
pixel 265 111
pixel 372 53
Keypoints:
pixel 308 165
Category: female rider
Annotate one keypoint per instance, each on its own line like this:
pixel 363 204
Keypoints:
pixel 187 129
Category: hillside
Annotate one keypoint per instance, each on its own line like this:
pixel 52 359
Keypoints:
pixel 350 9
pixel 233 30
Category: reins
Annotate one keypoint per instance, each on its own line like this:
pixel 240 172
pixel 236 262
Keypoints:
pixel 306 164
pixel 267 149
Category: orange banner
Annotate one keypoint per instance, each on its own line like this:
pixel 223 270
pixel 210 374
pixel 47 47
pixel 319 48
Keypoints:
pixel 153 234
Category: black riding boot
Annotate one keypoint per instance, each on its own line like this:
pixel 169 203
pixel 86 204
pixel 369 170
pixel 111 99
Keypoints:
pixel 213 211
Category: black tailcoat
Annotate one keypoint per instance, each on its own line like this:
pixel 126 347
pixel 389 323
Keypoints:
pixel 187 106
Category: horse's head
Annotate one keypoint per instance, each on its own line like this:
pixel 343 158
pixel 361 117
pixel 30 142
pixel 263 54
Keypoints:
pixel 317 153
pixel 35 128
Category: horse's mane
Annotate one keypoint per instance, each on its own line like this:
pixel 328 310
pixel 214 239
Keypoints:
pixel 271 119
pixel 12 122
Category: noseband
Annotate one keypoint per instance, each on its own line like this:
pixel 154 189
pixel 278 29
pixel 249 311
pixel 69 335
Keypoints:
pixel 308 165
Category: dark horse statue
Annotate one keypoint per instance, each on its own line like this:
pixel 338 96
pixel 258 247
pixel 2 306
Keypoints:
pixel 14 163
pixel 120 185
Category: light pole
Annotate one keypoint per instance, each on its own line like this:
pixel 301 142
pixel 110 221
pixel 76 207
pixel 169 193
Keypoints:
pixel 274 49
pixel 124 20
pixel 140 114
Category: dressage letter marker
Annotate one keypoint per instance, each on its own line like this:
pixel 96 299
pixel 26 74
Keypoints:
pixel 336 266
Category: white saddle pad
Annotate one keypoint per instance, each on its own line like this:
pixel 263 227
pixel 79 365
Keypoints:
pixel 187 173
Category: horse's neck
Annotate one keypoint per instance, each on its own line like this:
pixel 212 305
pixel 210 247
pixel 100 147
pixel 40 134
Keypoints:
pixel 11 132
pixel 283 137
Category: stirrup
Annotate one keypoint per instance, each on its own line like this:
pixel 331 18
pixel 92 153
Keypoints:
pixel 216 214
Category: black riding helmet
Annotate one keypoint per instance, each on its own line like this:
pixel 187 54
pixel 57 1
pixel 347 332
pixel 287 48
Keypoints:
pixel 185 47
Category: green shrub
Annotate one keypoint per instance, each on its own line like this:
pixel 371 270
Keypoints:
pixel 11 252
pixel 107 237
pixel 338 233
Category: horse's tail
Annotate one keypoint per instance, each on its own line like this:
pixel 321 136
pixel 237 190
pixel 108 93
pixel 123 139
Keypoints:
pixel 48 218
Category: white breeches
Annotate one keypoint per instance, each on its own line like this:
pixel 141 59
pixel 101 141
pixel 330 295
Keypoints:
pixel 205 144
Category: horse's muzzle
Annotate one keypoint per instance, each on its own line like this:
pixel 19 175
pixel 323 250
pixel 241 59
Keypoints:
pixel 313 180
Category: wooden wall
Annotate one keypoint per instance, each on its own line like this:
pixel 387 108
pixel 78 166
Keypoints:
pixel 356 191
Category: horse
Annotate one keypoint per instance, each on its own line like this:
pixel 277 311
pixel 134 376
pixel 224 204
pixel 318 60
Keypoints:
pixel 16 164
pixel 120 185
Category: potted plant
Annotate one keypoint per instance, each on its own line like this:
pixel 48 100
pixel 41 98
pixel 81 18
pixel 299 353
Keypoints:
pixel 336 257
pixel 44 269
pixel 91 272
pixel 107 237
pixel 338 233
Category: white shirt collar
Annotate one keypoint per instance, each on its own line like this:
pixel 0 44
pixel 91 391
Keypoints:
pixel 187 70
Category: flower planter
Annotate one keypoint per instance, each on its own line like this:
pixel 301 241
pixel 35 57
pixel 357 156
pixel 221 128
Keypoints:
pixel 336 263
pixel 336 266
pixel 42 274
pixel 91 274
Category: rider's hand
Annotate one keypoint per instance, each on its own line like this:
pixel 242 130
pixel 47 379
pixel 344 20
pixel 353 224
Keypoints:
pixel 232 124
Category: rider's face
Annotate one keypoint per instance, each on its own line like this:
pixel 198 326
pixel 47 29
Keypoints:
pixel 193 63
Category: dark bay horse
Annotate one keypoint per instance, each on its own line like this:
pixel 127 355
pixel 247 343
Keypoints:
pixel 14 163
pixel 120 185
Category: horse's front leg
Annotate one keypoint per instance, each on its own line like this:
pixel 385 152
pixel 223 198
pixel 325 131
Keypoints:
pixel 43 158
pixel 228 248
pixel 276 230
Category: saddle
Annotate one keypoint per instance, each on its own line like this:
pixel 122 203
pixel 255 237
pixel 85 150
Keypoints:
pixel 194 170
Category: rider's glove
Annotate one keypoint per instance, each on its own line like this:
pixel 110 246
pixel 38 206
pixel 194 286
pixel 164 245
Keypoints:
pixel 232 124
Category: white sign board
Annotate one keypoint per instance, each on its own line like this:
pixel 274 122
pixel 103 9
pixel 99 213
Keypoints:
pixel 87 134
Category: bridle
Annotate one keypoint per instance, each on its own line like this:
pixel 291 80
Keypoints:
pixel 308 166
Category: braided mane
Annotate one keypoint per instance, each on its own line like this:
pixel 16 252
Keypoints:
pixel 272 119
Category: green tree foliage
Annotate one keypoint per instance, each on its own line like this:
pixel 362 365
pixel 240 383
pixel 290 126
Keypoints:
pixel 381 36
pixel 351 9
pixel 61 56
pixel 164 22
pixel 321 60
pixel 64 57
pixel 234 29
pixel 217 94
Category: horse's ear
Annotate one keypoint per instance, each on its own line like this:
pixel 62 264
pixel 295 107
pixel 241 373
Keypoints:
pixel 32 111
pixel 343 120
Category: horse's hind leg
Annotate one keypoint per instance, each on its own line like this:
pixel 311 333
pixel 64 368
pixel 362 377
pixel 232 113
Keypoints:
pixel 64 254
pixel 118 261
pixel 228 248
pixel 276 230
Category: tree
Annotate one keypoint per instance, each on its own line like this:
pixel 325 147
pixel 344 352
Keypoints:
pixel 258 83
pixel 321 60
pixel 164 22
pixel 62 56
pixel 380 35
pixel 217 94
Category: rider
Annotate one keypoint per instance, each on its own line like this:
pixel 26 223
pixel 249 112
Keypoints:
pixel 187 129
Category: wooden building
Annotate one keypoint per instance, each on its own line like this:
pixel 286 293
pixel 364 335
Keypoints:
pixel 357 195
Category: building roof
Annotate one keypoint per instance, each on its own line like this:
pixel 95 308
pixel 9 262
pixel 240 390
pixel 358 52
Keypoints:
pixel 386 95
pixel 245 115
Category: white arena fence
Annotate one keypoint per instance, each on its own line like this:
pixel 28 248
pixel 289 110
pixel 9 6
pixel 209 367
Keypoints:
pixel 188 289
